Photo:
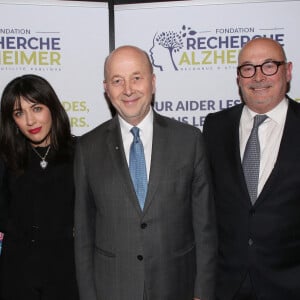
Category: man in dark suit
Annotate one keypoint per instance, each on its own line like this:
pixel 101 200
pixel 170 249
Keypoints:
pixel 165 248
pixel 259 237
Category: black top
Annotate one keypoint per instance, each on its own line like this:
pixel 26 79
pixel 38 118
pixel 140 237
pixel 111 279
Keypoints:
pixel 38 252
pixel 2 193
pixel 41 200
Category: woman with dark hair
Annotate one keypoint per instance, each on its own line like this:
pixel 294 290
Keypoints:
pixel 36 146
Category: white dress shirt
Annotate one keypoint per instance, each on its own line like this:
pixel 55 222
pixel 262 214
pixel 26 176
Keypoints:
pixel 146 136
pixel 269 134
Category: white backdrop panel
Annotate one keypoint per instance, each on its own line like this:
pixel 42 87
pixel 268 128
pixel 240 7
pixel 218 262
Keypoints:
pixel 194 48
pixel 64 42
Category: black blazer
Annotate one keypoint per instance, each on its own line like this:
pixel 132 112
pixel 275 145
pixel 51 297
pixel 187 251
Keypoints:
pixel 263 239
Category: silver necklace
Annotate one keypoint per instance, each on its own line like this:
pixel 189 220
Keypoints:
pixel 43 162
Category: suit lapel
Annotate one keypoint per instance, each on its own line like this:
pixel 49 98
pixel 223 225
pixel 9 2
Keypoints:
pixel 158 156
pixel 116 150
pixel 232 140
pixel 287 148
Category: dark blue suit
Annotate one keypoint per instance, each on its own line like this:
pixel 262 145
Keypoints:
pixel 263 239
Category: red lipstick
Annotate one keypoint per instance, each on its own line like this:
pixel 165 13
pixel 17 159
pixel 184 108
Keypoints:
pixel 35 130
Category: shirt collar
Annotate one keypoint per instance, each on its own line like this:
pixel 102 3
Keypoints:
pixel 277 114
pixel 144 125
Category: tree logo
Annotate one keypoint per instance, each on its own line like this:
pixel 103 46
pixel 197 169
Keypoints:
pixel 165 46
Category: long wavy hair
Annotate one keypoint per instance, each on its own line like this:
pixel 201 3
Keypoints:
pixel 14 146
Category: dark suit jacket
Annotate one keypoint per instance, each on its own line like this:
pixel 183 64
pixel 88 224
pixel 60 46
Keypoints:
pixel 263 239
pixel 166 250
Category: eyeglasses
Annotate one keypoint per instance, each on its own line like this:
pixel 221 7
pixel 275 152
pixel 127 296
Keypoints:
pixel 268 68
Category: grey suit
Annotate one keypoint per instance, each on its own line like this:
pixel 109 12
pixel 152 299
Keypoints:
pixel 168 249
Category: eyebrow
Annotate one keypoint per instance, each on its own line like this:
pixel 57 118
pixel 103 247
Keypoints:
pixel 33 105
pixel 134 73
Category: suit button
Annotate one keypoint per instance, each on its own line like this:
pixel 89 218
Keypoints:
pixel 252 211
pixel 140 257
pixel 250 242
pixel 144 225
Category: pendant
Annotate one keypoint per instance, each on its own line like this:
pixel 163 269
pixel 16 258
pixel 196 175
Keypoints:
pixel 43 164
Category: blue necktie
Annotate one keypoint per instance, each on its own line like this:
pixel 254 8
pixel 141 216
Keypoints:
pixel 137 166
pixel 251 159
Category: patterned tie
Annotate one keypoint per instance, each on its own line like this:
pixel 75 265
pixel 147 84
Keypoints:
pixel 251 159
pixel 137 166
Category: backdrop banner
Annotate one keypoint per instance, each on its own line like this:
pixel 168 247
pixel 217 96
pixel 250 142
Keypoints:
pixel 66 43
pixel 194 48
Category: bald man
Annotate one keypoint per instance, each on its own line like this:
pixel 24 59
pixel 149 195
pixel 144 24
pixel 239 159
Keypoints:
pixel 164 247
pixel 258 225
